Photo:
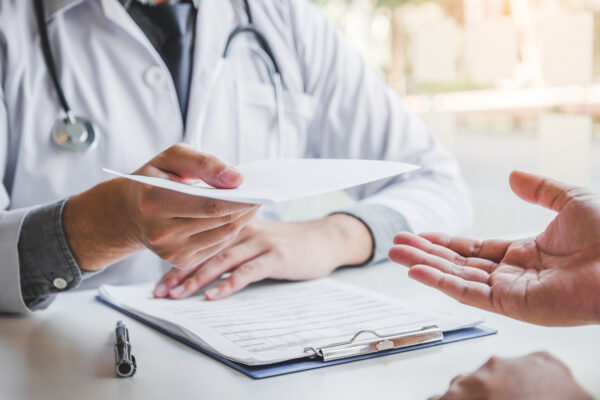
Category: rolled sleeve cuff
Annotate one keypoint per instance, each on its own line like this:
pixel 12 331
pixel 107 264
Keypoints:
pixel 383 223
pixel 46 263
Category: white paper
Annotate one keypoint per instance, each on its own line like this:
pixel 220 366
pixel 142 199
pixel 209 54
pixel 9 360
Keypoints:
pixel 271 181
pixel 273 322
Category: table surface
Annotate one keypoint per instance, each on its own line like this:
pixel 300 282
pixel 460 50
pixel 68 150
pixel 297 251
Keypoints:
pixel 66 352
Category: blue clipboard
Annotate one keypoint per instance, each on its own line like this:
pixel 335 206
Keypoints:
pixel 304 364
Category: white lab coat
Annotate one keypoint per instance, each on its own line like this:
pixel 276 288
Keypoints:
pixel 336 107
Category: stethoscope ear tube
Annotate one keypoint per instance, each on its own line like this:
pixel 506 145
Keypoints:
pixel 280 116
pixel 196 141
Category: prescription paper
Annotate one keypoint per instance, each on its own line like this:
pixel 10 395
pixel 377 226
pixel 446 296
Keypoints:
pixel 272 181
pixel 272 322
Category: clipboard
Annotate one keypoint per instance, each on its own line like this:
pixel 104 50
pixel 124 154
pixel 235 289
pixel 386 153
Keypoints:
pixel 355 349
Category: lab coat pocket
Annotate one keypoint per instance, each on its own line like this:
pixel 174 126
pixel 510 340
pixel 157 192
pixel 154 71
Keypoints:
pixel 259 122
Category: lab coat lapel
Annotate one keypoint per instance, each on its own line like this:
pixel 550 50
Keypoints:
pixel 116 13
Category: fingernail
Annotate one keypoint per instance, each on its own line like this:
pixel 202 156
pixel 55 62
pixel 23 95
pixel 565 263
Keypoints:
pixel 160 290
pixel 177 292
pixel 211 293
pixel 230 176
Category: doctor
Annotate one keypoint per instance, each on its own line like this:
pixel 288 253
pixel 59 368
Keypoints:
pixel 87 84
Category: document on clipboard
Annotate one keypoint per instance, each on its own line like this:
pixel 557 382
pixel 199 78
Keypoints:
pixel 270 323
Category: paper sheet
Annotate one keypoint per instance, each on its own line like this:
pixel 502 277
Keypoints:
pixel 271 181
pixel 269 322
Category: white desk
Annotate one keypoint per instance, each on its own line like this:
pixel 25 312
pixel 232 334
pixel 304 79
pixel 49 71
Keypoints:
pixel 66 352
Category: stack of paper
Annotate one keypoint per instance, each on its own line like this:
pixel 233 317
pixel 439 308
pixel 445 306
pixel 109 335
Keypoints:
pixel 269 323
pixel 271 181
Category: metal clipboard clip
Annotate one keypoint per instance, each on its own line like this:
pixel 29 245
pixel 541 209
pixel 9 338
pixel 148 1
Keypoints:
pixel 355 347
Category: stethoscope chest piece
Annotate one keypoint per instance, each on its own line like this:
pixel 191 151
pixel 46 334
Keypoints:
pixel 74 134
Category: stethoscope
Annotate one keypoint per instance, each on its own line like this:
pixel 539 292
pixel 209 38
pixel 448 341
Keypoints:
pixel 77 134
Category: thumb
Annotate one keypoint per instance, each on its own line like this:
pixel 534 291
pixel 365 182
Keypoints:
pixel 183 162
pixel 539 190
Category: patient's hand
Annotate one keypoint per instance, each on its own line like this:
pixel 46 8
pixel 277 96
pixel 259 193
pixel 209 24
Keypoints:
pixel 535 376
pixel 551 279
pixel 278 250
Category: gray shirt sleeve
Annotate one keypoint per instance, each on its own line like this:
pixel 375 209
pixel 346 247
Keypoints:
pixel 383 223
pixel 46 263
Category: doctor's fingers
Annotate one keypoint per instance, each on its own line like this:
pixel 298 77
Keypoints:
pixel 211 270
pixel 174 234
pixel 188 164
pixel 190 252
pixel 153 201
pixel 475 270
pixel 178 229
pixel 254 270
pixel 443 252
pixel 177 273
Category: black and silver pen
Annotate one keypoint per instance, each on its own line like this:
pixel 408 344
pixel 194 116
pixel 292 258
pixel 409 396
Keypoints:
pixel 125 361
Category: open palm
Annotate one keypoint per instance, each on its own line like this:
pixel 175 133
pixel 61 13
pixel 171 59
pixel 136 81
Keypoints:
pixel 551 279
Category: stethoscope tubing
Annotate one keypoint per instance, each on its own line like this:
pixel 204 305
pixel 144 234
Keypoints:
pixel 49 58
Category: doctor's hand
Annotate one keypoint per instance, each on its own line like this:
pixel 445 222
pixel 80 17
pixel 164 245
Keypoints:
pixel 120 216
pixel 535 376
pixel 278 250
pixel 550 279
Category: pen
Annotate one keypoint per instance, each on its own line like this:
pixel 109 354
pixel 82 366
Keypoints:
pixel 125 361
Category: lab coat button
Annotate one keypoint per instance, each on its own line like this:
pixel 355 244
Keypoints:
pixel 154 76
pixel 59 283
